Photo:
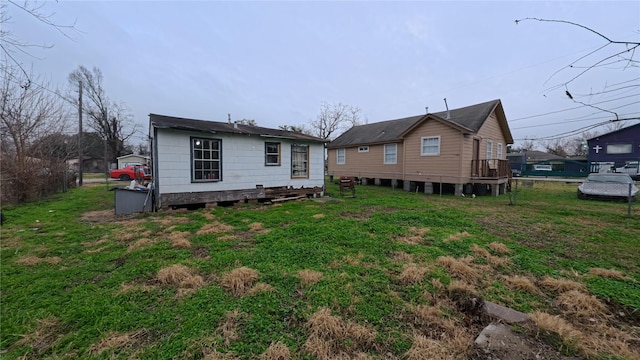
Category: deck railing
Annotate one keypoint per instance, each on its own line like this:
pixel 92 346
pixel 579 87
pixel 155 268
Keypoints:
pixel 493 168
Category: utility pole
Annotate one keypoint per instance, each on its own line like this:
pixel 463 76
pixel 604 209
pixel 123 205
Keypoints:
pixel 80 133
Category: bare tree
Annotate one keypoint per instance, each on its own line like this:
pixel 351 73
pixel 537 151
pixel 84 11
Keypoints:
pixel 28 113
pixel 111 120
pixel 11 44
pixel 334 118
pixel 249 122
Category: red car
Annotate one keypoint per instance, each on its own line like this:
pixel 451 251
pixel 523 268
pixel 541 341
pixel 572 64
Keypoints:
pixel 131 172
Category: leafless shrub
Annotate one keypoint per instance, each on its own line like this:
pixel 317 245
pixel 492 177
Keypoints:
pixel 240 280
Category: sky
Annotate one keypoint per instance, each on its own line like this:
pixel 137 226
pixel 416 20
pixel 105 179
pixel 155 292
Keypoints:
pixel 277 61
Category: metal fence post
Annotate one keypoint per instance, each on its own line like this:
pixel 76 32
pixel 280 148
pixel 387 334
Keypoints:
pixel 629 200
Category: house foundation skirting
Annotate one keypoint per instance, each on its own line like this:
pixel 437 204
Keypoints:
pixel 206 197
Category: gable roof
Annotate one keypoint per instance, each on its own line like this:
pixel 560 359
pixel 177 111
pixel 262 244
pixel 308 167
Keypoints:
pixel 624 129
pixel 212 127
pixel 467 119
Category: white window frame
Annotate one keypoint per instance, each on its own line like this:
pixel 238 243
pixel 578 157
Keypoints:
pixel 431 153
pixel 270 154
pixel 499 151
pixel 363 149
pixel 489 149
pixel 299 161
pixel 206 159
pixel 388 153
pixel 341 156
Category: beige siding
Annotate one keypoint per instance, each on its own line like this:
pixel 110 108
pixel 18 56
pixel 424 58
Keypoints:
pixel 490 130
pixel 365 164
pixel 447 163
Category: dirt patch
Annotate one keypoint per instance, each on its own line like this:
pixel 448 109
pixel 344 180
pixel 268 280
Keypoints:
pixel 102 216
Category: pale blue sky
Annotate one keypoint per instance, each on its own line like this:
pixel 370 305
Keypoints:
pixel 275 62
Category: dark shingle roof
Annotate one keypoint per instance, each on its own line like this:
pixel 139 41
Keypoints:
pixel 469 118
pixel 171 122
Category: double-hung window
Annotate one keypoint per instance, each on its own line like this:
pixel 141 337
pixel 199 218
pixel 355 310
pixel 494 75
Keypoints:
pixel 430 146
pixel 299 161
pixel 489 149
pixel 391 153
pixel 206 159
pixel 341 156
pixel 499 154
pixel 272 154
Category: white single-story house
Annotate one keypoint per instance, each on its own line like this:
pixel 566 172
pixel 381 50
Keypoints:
pixel 199 162
pixel 132 159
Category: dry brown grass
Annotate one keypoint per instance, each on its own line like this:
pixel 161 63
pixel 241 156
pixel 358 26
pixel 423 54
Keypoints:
pixel 228 329
pixel 556 325
pixel 131 286
pixel 308 277
pixel 240 280
pixel 95 243
pixel 456 237
pixel 180 239
pixel 412 274
pixel 401 256
pixel 318 216
pixel 187 280
pixel 458 267
pixel 454 347
pixel 415 236
pixel 459 286
pixel 30 260
pixel 330 337
pixel 47 333
pixel 498 247
pixel 276 351
pixel 579 304
pixel 607 273
pixel 560 285
pixel 140 244
pixel 119 341
pixel 260 287
pixel 517 282
pixel 215 227
pixel 432 320
pixel 98 216
pixel 258 227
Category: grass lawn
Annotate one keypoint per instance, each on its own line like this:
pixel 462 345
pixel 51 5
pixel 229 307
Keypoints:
pixel 388 274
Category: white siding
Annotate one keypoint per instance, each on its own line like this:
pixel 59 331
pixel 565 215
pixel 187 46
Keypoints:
pixel 243 163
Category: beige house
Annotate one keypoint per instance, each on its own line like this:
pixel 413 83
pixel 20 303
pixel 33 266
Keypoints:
pixel 132 159
pixel 462 149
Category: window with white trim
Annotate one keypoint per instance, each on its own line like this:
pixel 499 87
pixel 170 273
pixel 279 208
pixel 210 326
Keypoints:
pixel 272 154
pixel 391 153
pixel 299 161
pixel 206 160
pixel 499 154
pixel 489 149
pixel 430 146
pixel 363 149
pixel 619 148
pixel 341 156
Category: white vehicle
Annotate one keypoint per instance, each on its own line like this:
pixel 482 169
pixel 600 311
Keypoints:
pixel 631 168
pixel 542 167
